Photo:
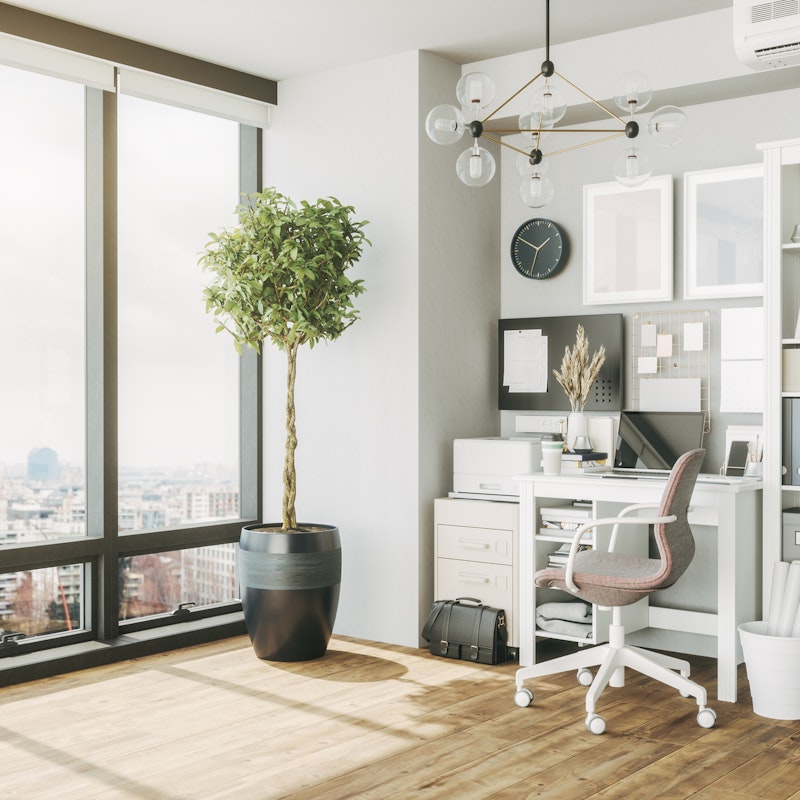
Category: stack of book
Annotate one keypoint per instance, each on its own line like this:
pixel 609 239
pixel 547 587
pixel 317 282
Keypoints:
pixel 582 462
pixel 558 558
pixel 563 518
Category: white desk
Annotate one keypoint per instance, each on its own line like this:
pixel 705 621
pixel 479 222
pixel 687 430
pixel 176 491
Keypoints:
pixel 731 512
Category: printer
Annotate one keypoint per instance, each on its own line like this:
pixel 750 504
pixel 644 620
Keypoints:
pixel 486 466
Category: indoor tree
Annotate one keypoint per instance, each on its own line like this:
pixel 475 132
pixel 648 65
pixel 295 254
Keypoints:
pixel 279 276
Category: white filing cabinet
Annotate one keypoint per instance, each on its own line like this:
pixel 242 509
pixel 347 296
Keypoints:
pixel 477 555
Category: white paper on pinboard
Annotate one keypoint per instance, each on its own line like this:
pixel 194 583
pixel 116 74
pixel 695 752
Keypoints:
pixel 742 333
pixel 669 394
pixel 649 331
pixel 664 344
pixel 647 365
pixel 742 387
pixel 692 336
pixel 525 360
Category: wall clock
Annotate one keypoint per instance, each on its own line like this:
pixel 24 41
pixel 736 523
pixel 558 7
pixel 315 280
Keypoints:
pixel 539 248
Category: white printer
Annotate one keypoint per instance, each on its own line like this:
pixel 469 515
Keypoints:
pixel 486 466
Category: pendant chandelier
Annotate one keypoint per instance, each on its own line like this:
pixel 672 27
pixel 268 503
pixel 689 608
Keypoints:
pixel 546 107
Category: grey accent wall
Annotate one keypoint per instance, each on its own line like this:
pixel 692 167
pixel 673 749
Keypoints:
pixel 721 134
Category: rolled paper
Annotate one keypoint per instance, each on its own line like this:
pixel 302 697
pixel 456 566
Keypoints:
pixel 796 626
pixel 791 600
pixel 779 574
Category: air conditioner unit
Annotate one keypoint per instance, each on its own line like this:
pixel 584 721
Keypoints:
pixel 767 35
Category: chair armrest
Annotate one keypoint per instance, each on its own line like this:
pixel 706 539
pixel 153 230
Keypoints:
pixel 616 522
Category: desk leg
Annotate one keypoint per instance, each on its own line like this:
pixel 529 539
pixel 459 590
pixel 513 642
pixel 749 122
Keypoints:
pixel 527 529
pixel 727 547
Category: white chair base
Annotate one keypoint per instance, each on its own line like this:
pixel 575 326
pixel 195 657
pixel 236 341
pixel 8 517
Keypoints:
pixel 611 660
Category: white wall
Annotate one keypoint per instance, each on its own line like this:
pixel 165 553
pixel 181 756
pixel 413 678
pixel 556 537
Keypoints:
pixel 373 440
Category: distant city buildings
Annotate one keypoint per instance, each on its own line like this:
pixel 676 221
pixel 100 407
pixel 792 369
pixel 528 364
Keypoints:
pixel 46 500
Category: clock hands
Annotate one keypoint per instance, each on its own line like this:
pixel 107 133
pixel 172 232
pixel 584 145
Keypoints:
pixel 537 248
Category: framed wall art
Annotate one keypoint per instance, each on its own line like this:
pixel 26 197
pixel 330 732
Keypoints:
pixel 627 234
pixel 724 232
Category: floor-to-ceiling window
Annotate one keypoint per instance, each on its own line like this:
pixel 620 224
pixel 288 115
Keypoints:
pixel 129 430
pixel 42 335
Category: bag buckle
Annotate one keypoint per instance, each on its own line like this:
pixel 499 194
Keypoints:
pixel 474 652
pixel 444 646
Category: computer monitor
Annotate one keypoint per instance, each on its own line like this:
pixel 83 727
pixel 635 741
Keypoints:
pixel 656 439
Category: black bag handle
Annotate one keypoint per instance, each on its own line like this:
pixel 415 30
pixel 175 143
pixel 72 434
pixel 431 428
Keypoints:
pixel 435 611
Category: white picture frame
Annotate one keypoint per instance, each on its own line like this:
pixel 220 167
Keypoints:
pixel 724 232
pixel 627 235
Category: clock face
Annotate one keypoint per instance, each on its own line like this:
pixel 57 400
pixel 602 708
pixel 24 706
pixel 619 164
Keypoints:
pixel 539 248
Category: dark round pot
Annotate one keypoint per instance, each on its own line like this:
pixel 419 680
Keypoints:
pixel 290 589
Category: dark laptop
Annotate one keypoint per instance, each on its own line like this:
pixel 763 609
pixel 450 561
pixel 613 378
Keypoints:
pixel 650 442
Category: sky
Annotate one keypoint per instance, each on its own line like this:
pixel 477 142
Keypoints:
pixel 178 393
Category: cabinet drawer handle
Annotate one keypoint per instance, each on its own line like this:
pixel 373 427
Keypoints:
pixel 471 577
pixel 473 544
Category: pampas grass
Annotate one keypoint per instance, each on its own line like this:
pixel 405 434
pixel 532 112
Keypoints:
pixel 577 372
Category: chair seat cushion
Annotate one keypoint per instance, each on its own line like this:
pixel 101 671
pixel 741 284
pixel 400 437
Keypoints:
pixel 608 579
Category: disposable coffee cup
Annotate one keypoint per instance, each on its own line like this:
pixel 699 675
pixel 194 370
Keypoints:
pixel 551 457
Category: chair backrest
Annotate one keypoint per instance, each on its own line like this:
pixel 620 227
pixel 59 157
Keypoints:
pixel 674 539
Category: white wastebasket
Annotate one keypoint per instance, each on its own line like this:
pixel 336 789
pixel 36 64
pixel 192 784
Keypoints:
pixel 773 670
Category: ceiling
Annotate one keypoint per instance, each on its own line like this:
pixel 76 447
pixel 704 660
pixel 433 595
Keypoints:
pixel 281 39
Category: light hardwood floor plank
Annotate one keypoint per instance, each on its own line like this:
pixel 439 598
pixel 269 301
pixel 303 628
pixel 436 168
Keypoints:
pixel 374 722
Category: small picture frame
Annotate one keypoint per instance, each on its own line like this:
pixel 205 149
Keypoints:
pixel 627 234
pixel 724 232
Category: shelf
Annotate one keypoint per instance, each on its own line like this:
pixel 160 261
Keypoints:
pixel 787 487
pixel 791 247
pixel 564 637
pixel 790 394
pixel 790 341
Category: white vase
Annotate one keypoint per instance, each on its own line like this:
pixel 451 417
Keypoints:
pixel 577 432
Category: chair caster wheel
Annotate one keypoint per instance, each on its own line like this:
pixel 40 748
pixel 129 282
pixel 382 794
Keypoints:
pixel 706 718
pixel 585 677
pixel 595 724
pixel 523 697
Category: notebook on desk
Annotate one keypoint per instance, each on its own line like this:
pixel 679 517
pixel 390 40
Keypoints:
pixel 650 442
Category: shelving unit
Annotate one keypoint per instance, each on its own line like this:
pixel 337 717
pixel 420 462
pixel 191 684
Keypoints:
pixel 781 311
pixel 548 540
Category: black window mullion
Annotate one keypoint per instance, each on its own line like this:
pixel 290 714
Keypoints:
pixel 101 356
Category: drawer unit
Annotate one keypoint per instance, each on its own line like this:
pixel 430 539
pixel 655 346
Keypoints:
pixel 476 552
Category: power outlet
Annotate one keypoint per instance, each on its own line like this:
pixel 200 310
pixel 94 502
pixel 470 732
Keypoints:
pixel 530 423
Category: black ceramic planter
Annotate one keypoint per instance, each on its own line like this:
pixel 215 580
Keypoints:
pixel 290 589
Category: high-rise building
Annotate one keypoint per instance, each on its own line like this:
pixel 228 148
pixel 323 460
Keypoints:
pixel 43 465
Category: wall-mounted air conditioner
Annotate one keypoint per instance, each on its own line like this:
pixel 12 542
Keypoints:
pixel 767 35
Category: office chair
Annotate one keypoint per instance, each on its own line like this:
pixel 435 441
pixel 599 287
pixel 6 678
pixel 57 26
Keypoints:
pixel 615 580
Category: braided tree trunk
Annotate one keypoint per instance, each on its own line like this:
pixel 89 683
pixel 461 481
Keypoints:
pixel 289 474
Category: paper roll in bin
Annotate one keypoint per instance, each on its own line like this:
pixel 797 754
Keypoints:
pixel 773 671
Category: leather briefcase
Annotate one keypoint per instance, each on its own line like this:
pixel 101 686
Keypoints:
pixel 468 630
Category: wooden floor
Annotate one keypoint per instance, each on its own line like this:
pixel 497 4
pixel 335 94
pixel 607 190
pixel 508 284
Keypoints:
pixel 375 721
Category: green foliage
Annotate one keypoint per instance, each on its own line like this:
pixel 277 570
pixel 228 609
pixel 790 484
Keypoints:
pixel 279 276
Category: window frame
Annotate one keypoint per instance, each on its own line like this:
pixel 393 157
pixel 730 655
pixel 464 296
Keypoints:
pixel 103 545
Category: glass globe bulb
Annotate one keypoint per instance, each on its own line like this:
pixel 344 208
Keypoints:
pixel 632 167
pixel 475 166
pixel 548 106
pixel 668 126
pixel 526 169
pixel 475 90
pixel 632 91
pixel 444 124
pixel 536 191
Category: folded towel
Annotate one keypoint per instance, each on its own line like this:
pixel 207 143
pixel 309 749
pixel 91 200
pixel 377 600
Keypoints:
pixel 573 611
pixel 564 627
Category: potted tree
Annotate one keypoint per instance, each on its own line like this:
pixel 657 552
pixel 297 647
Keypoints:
pixel 279 277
